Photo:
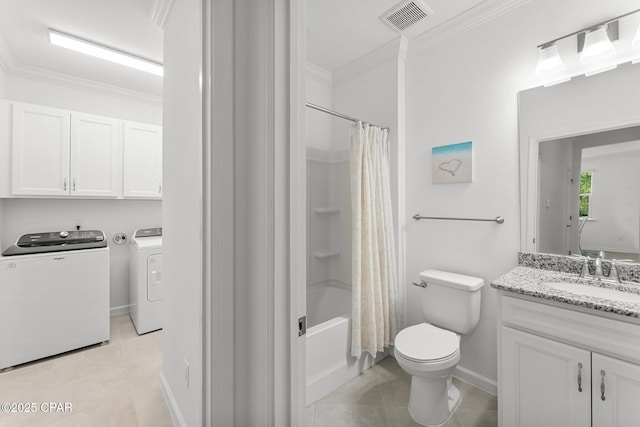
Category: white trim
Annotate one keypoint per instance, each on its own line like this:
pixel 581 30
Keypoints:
pixel 120 310
pixel 219 222
pixel 318 74
pixel 477 380
pixel 384 53
pixel 7 61
pixel 464 22
pixel 159 10
pixel 52 77
pixel 171 402
pixel 262 216
pixel 297 210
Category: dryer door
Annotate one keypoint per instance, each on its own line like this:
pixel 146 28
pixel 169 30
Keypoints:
pixel 154 277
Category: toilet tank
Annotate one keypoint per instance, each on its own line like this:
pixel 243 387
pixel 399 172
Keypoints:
pixel 451 301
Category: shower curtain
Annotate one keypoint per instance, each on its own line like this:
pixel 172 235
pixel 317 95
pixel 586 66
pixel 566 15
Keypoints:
pixel 374 277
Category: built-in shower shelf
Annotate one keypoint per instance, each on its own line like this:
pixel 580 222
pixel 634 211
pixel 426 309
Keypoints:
pixel 325 254
pixel 326 210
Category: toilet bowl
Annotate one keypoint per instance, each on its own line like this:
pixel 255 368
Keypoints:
pixel 430 355
pixel 430 351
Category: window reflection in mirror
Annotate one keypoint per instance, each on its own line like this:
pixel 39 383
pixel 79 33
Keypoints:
pixel 589 195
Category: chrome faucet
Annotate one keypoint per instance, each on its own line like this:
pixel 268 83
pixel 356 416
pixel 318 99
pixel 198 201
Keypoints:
pixel 598 273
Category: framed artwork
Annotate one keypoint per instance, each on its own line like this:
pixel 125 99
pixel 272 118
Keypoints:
pixel 452 163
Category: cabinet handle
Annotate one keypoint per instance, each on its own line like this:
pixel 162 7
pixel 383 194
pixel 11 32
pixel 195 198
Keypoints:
pixel 74 184
pixel 160 188
pixel 580 377
pixel 64 185
pixel 602 374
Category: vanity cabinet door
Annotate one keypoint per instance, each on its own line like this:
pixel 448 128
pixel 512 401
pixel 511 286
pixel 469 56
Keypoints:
pixel 616 392
pixel 545 383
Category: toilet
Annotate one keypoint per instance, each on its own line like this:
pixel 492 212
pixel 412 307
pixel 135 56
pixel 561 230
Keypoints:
pixel 430 351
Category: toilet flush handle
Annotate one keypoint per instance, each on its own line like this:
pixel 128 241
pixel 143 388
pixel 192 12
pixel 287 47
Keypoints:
pixel 421 284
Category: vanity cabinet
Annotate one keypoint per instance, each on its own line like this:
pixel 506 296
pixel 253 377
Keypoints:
pixel 564 368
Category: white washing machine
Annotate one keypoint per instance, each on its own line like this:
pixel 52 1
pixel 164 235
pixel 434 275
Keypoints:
pixel 145 288
pixel 54 295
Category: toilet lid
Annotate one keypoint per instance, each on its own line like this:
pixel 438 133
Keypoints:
pixel 426 342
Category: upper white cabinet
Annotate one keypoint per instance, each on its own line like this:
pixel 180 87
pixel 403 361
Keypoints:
pixel 142 164
pixel 56 152
pixel 94 156
pixel 40 151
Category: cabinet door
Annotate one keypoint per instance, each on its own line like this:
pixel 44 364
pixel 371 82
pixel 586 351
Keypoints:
pixel 40 151
pixel 94 156
pixel 545 383
pixel 142 160
pixel 616 392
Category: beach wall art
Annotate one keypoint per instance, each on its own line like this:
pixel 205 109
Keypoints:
pixel 452 163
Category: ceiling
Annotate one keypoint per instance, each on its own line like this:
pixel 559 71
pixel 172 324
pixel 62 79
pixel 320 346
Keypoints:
pixel 340 31
pixel 123 24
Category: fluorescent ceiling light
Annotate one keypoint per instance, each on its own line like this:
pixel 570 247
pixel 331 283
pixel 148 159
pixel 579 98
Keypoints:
pixel 104 52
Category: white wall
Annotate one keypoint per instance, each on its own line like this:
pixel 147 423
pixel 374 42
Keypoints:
pixel 328 184
pixel 182 218
pixel 615 203
pixel 2 95
pixel 34 215
pixel 100 101
pixel 465 89
pixel 555 166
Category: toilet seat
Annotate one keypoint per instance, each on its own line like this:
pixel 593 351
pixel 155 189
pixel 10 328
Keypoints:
pixel 425 343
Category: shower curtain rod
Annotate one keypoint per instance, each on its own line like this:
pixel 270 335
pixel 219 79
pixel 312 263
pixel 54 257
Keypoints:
pixel 342 116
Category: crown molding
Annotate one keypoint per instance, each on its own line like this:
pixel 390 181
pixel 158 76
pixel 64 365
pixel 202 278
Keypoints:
pixel 47 76
pixel 159 11
pixel 389 51
pixel 7 61
pixel 318 74
pixel 464 22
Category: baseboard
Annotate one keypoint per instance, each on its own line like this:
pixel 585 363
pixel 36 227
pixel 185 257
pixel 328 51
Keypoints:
pixel 120 310
pixel 172 404
pixel 477 380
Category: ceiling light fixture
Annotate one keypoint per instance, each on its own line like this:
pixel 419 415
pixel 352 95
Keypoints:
pixel 104 52
pixel 597 51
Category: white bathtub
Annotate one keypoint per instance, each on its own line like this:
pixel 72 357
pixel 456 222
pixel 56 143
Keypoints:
pixel 329 360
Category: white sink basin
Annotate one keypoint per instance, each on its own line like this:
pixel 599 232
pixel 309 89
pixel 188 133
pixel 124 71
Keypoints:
pixel 594 291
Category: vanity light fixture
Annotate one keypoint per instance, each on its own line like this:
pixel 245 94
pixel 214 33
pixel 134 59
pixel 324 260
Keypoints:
pixel 598 53
pixel 549 60
pixel 104 52
pixel 635 45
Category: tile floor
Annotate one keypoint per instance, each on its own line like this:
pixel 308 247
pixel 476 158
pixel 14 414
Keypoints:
pixel 379 397
pixel 117 384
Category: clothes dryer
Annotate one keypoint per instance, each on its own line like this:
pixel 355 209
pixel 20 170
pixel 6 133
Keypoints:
pixel 145 285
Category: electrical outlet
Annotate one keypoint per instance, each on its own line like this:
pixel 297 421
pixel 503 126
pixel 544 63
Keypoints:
pixel 186 372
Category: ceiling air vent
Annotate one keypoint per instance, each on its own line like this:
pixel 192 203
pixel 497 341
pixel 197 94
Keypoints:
pixel 403 16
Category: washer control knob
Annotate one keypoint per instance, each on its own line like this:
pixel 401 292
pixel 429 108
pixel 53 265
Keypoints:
pixel 64 234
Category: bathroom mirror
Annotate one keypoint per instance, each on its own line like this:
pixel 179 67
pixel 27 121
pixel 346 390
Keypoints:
pixel 580 166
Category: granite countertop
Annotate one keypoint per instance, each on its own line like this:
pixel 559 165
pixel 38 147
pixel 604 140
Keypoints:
pixel 529 281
